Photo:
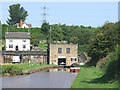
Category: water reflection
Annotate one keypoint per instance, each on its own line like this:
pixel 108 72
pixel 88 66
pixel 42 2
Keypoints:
pixel 56 70
pixel 49 78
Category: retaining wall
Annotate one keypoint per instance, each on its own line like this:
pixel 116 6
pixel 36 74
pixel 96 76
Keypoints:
pixel 40 68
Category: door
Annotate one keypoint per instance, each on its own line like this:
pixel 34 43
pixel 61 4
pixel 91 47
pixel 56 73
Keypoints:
pixel 61 61
pixel 16 48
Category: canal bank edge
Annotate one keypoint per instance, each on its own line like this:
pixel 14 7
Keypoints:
pixel 30 71
pixel 39 68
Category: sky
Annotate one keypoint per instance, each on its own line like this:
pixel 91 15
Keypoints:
pixel 70 13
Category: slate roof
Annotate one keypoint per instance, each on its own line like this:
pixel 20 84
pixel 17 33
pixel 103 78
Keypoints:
pixel 18 24
pixel 29 25
pixel 17 35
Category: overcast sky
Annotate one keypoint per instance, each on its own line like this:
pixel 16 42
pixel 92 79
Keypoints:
pixel 71 13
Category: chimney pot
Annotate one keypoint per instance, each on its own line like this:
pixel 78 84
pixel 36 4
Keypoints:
pixel 21 23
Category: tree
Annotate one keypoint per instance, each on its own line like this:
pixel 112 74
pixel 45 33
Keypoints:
pixel 74 40
pixel 17 13
pixel 56 33
pixel 45 28
pixel 105 40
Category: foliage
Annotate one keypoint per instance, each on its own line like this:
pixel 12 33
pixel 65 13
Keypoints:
pixel 34 42
pixel 16 69
pixel 104 62
pixel 17 13
pixel 11 70
pixel 45 28
pixel 104 41
pixel 56 33
pixel 42 46
pixel 74 40
pixel 83 48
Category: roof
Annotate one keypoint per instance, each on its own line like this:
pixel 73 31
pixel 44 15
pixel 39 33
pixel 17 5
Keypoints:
pixel 16 35
pixel 29 25
pixel 18 24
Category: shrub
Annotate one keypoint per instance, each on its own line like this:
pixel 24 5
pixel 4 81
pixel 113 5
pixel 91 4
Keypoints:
pixel 6 69
pixel 105 61
pixel 12 70
pixel 83 48
pixel 109 67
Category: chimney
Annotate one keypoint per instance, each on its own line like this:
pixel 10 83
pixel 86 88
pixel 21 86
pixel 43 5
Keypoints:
pixel 59 24
pixel 21 23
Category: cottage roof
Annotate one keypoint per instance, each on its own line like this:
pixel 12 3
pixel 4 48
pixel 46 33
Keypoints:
pixel 18 24
pixel 29 25
pixel 17 35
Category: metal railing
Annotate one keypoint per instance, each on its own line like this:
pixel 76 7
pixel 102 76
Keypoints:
pixel 24 52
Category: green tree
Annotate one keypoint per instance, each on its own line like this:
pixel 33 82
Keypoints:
pixel 105 40
pixel 45 28
pixel 74 40
pixel 56 33
pixel 17 13
pixel 34 42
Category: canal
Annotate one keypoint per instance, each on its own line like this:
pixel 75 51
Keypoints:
pixel 49 78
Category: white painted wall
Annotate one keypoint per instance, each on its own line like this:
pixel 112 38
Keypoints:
pixel 16 59
pixel 25 26
pixel 19 43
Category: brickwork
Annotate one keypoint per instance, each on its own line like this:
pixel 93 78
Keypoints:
pixel 54 55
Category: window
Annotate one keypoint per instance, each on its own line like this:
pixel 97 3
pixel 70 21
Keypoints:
pixel 73 59
pixel 59 50
pixel 10 40
pixel 24 46
pixel 10 45
pixel 67 50
pixel 24 40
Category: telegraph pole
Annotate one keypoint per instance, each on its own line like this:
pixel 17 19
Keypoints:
pixel 50 35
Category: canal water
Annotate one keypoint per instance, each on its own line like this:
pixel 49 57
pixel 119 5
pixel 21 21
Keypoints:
pixel 49 78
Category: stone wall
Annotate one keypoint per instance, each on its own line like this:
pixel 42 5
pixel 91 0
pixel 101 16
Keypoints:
pixel 35 59
pixel 53 55
pixel 25 59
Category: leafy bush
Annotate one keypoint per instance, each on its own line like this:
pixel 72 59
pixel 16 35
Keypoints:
pixel 109 67
pixel 83 48
pixel 105 61
pixel 7 69
pixel 11 70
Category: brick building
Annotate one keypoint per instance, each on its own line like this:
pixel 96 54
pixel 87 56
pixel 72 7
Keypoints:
pixel 63 54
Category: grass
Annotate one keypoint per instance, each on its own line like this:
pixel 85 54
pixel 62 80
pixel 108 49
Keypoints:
pixel 89 77
pixel 26 66
pixel 42 46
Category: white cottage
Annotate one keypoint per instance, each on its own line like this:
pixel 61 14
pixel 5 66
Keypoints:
pixel 22 25
pixel 17 41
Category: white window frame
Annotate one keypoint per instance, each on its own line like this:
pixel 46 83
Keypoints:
pixel 10 40
pixel 10 45
pixel 24 40
pixel 24 47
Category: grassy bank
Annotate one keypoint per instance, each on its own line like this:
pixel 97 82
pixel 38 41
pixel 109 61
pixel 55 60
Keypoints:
pixel 89 77
pixel 26 66
pixel 16 69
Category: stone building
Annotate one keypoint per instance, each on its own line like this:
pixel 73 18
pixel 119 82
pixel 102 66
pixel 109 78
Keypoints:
pixel 63 54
